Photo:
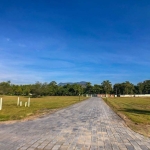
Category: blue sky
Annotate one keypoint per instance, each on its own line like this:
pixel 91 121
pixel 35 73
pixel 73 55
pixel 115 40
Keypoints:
pixel 71 41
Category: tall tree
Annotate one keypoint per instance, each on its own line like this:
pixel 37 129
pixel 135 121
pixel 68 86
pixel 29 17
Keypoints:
pixel 107 86
pixel 5 88
pixel 97 89
pixel 140 87
pixel 89 88
pixel 146 84
pixel 36 89
pixel 52 88
pixel 128 88
pixel 118 89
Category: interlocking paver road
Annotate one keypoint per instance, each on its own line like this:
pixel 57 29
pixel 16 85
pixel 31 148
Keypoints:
pixel 90 124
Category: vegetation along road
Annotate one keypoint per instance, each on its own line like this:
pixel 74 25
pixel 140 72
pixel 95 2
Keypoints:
pixel 134 110
pixel 90 124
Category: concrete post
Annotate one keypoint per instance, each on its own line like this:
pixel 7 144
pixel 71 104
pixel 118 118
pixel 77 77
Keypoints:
pixel 1 102
pixel 25 104
pixel 18 102
pixel 29 102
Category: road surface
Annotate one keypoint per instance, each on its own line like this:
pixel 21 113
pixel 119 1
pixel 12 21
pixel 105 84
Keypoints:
pixel 89 125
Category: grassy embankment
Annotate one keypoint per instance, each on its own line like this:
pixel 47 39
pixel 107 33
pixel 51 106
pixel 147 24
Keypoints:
pixel 135 112
pixel 38 106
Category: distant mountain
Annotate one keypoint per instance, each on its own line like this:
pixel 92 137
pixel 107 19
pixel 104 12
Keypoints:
pixel 62 84
pixel 83 83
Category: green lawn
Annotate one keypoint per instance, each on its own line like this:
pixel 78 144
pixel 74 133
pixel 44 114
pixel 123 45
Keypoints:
pixel 135 111
pixel 10 110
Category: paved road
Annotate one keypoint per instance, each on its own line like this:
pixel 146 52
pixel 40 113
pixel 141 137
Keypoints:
pixel 87 125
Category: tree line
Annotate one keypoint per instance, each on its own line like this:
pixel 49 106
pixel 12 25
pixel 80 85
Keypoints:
pixel 53 89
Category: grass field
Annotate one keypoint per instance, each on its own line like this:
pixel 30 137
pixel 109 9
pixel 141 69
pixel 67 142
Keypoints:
pixel 10 110
pixel 135 112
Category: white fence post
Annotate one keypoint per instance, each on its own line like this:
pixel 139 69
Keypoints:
pixel 29 102
pixel 25 104
pixel 1 101
pixel 18 102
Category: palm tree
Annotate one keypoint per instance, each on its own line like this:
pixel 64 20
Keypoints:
pixel 107 86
